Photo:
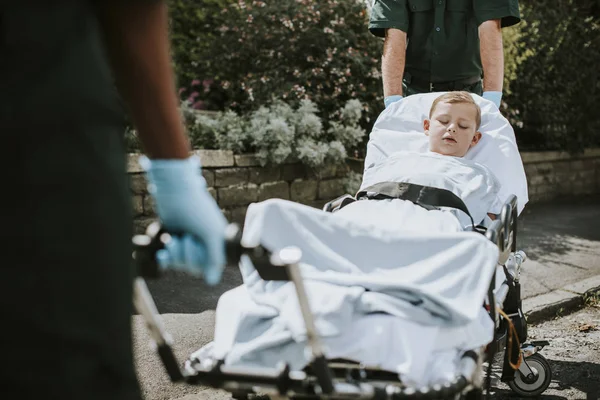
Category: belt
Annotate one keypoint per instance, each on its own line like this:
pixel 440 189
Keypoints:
pixel 430 198
pixel 440 86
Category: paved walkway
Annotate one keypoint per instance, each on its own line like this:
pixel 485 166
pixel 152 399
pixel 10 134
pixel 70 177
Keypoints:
pixel 561 239
pixel 562 243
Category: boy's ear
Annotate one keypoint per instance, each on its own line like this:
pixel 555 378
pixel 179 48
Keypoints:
pixel 426 123
pixel 476 139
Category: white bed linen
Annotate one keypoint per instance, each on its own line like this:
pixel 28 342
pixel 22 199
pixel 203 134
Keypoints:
pixel 473 182
pixel 404 296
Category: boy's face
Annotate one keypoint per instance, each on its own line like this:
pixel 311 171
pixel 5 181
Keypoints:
pixel 452 129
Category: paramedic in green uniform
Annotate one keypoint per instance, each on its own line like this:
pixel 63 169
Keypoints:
pixel 442 45
pixel 66 285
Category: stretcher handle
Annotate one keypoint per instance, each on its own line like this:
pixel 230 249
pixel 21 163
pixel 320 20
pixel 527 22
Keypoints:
pixel 155 238
pixel 503 231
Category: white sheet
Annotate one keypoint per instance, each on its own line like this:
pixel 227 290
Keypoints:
pixel 400 128
pixel 420 354
pixel 474 183
pixel 402 296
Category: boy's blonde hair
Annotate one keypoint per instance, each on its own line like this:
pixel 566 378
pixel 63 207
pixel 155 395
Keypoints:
pixel 457 97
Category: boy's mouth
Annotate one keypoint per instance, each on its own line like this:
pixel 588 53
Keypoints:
pixel 449 140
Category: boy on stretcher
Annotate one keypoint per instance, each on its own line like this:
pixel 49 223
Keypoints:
pixel 453 124
pixel 452 129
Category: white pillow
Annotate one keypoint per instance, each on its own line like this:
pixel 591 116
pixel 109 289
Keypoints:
pixel 400 128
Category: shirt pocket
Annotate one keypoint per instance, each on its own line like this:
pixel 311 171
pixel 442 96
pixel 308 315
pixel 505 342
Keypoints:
pixel 420 5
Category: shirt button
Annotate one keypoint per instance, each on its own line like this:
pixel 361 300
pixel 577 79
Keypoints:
pixel 440 2
pixel 414 7
pixel 437 28
pixel 435 53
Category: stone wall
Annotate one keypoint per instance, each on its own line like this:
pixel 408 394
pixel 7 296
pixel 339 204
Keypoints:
pixel 238 180
pixel 235 181
pixel 554 174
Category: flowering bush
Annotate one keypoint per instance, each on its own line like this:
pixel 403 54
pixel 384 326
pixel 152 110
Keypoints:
pixel 249 52
pixel 278 133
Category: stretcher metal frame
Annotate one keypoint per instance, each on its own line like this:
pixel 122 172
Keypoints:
pixel 327 379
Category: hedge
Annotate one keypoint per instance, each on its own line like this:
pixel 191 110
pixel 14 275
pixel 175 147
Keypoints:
pixel 554 91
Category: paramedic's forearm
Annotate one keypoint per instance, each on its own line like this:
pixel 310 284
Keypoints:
pixel 392 62
pixel 492 55
pixel 138 46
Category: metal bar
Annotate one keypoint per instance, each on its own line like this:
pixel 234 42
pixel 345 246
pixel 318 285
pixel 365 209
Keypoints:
pixel 142 300
pixel 319 362
pixel 144 304
pixel 311 329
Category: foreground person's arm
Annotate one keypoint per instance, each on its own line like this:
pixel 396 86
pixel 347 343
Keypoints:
pixel 136 36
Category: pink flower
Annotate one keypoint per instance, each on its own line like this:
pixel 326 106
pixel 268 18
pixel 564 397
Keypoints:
pixel 195 82
pixel 206 84
pixel 199 105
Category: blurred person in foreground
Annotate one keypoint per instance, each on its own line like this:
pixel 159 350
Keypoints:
pixel 67 282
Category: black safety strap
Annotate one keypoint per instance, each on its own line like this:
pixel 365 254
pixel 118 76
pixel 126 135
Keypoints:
pixel 427 197
pixel 509 277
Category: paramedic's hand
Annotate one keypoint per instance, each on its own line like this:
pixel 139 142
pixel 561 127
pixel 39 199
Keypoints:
pixel 190 214
pixel 494 97
pixel 391 99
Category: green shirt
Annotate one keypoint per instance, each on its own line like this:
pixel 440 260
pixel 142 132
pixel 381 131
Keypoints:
pixel 443 39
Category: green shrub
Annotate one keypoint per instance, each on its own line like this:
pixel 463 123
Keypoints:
pixel 555 91
pixel 277 132
pixel 240 55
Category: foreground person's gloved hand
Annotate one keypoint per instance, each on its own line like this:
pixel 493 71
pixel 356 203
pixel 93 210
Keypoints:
pixel 190 214
pixel 494 97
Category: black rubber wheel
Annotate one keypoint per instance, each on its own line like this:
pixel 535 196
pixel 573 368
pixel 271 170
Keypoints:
pixel 525 387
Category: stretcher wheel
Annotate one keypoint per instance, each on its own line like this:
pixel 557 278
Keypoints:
pixel 533 386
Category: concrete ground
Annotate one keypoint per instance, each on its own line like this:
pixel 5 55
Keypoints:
pixel 574 356
pixel 562 242
pixel 561 239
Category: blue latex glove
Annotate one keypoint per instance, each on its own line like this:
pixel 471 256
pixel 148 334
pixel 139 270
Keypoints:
pixel 494 97
pixel 187 210
pixel 391 99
